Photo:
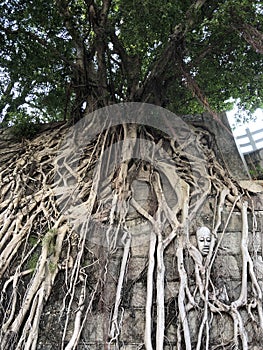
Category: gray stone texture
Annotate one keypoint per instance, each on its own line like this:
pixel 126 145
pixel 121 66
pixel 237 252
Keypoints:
pixel 224 143
pixel 225 273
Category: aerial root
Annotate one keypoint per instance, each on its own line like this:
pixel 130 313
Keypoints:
pixel 38 245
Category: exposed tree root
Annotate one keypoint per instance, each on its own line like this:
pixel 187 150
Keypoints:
pixel 45 239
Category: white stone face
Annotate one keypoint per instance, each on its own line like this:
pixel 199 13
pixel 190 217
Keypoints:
pixel 203 236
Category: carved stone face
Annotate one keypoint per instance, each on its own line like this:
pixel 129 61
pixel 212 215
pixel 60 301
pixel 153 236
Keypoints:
pixel 203 236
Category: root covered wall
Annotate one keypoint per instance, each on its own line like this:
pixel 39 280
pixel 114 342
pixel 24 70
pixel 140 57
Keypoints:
pixel 101 252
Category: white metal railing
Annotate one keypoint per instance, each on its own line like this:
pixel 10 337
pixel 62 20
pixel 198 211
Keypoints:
pixel 252 141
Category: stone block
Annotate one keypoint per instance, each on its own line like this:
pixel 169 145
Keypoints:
pixel 259 218
pixel 96 329
pixel 113 267
pixel 253 330
pixel 141 192
pixel 95 346
pixel 222 330
pixel 134 346
pixel 141 235
pixel 133 326
pixel 255 244
pixel 136 267
pixel 138 299
pixel 235 221
pixel 194 322
pixel 227 267
pixel 171 270
pixel 171 290
pixel 258 201
pixel 233 289
pixel 44 346
pixel 108 293
pixel 230 244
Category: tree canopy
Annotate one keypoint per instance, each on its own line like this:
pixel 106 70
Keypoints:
pixel 62 58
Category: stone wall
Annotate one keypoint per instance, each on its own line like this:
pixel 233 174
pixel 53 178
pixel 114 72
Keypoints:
pixel 226 275
pixel 223 144
pixel 101 270
pixel 255 164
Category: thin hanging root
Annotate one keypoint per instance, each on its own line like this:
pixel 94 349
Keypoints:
pixel 209 262
pixel 78 318
pixel 157 229
pixel 204 324
pixel 247 267
pixel 28 210
pixel 13 300
pixel 13 245
pixel 149 295
pixel 182 292
pixel 115 328
pixel 37 293
pixel 150 275
pixel 28 340
pixel 77 263
pixel 160 293
pixel 239 329
pixel 247 264
pixel 182 192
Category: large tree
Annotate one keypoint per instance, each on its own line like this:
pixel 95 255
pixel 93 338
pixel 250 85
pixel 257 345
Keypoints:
pixel 65 57
pixel 98 216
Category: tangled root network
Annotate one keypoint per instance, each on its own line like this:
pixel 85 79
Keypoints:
pixel 75 216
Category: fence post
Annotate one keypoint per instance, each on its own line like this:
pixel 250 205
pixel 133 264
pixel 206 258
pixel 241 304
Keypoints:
pixel 251 139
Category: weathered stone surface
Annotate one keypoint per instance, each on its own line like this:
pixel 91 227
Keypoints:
pixel 223 329
pixel 227 267
pixel 230 244
pixel 235 222
pixel 138 299
pixel 133 325
pixel 142 194
pixel 171 269
pixel 225 275
pixel 255 163
pixel 96 329
pixel 171 334
pixel 140 232
pixel 171 290
pixel 258 202
pixel 136 267
pixel 225 149
pixel 259 268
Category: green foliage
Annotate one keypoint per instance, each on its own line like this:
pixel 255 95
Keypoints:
pixel 24 126
pixel 48 240
pixel 52 267
pixel 256 172
pixel 32 240
pixel 58 56
pixel 32 262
